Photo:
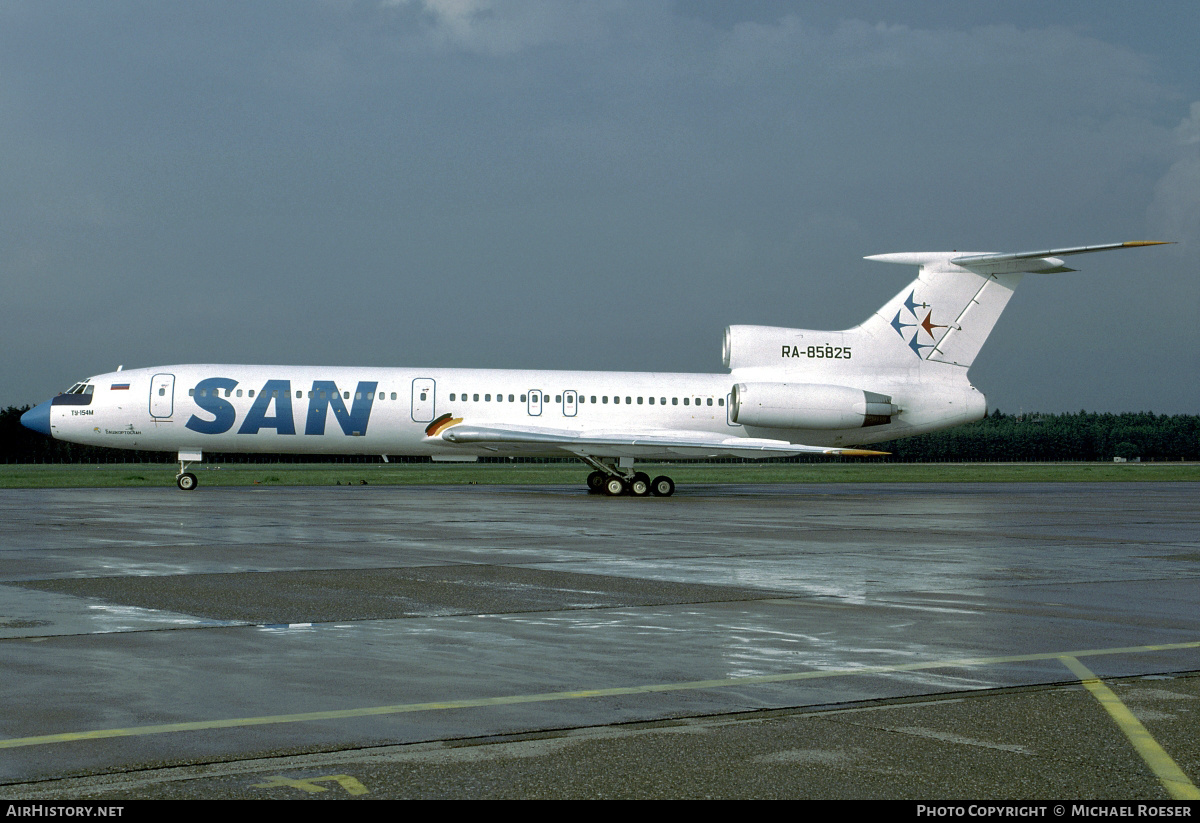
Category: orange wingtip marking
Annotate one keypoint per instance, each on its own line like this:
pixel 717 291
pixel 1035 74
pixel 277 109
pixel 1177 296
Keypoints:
pixel 860 453
pixel 441 424
pixel 1133 243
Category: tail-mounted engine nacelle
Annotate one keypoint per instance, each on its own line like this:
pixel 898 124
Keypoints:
pixel 808 406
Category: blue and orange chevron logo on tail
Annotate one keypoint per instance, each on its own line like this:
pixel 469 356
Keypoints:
pixel 926 325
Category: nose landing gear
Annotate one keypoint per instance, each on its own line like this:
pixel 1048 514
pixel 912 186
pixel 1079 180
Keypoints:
pixel 185 480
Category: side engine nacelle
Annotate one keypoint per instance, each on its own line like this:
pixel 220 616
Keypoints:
pixel 808 406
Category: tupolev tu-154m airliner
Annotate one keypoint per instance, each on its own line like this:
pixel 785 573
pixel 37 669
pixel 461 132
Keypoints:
pixel 900 373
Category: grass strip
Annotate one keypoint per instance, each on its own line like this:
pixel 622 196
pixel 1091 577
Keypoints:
pixel 134 475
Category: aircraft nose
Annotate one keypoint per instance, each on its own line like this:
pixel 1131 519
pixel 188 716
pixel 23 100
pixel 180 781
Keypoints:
pixel 38 418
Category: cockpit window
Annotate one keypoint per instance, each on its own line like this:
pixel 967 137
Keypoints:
pixel 80 388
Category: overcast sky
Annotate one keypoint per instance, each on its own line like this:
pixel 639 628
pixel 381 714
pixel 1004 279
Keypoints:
pixel 591 185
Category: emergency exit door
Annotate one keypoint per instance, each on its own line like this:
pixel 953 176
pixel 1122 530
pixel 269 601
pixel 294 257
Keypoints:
pixel 535 402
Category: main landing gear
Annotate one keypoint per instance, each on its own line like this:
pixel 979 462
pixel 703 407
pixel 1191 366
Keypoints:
pixel 611 481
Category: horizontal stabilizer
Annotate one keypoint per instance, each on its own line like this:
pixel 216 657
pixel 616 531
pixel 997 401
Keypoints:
pixel 1038 261
pixel 993 263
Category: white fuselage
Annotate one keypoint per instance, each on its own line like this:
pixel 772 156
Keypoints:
pixel 340 410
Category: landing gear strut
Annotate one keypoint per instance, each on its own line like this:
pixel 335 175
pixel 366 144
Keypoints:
pixel 615 481
pixel 185 480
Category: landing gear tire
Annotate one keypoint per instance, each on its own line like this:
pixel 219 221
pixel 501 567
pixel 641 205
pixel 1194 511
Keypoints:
pixel 662 486
pixel 614 486
pixel 595 482
pixel 186 481
pixel 639 486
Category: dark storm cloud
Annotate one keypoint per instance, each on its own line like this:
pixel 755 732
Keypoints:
pixel 585 185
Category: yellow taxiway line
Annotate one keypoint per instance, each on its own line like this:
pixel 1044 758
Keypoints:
pixel 1165 769
pixel 583 694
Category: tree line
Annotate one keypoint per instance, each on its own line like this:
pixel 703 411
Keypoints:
pixel 999 437
pixel 1079 435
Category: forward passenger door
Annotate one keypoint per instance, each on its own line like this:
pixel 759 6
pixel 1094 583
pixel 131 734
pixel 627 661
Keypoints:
pixel 162 395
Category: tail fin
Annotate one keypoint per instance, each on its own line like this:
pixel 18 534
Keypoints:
pixel 946 314
pixel 943 317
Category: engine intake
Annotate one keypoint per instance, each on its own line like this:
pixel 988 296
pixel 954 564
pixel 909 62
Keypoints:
pixel 808 406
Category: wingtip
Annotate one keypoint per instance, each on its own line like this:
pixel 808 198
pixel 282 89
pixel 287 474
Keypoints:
pixel 1133 243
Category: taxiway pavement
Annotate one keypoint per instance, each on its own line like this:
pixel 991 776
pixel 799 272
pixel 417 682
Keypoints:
pixel 859 640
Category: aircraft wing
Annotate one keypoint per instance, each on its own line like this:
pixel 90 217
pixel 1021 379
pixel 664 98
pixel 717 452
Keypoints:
pixel 663 444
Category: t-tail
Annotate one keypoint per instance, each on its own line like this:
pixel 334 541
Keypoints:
pixel 906 365
pixel 943 317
